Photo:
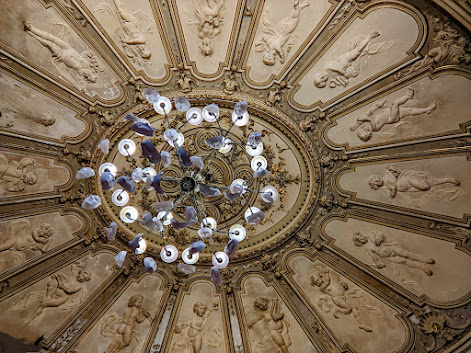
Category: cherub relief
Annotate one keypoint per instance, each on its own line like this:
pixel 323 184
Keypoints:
pixel 193 333
pixel 338 70
pixel 274 97
pixel 274 38
pixel 414 181
pixel 85 65
pixel 230 84
pixel 384 114
pixel 379 247
pixel 122 329
pixel 184 82
pixel 345 300
pixel 64 292
pixel 273 320
pixel 131 31
pixel 22 237
pixel 17 174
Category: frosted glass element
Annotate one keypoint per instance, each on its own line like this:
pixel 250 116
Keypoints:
pixel 254 151
pixel 152 223
pixel 194 116
pixel 209 191
pixel 166 158
pixel 174 138
pixel 111 231
pixel 169 253
pixel 269 194
pixel 198 161
pixel 227 146
pixel 142 128
pixel 258 162
pixel 211 113
pixel 220 259
pixel 186 161
pixel 231 248
pixel 215 276
pixel 253 215
pixel 120 197
pixel 126 183
pixel 240 120
pixel 163 105
pixel 150 171
pixel 163 206
pixel 126 146
pixel 142 246
pixel 119 259
pixel 186 269
pixel 237 232
pixel 150 265
pixel 165 217
pixel 189 260
pixel 205 233
pixel 150 152
pixel 137 175
pixel 131 117
pixel 209 222
pixel 134 243
pixel 151 95
pixel 260 173
pixel 254 138
pixel 104 146
pixel 107 181
pixel 85 173
pixel 216 142
pixel 91 202
pixel 128 214
pixel 182 104
pixel 107 167
pixel 238 186
pixel 241 107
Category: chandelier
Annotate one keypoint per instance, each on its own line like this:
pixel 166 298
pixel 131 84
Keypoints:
pixel 194 183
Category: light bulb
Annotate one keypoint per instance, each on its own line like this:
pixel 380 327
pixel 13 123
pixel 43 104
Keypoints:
pixel 189 260
pixel 128 214
pixel 120 197
pixel 237 232
pixel 163 105
pixel 258 162
pixel 169 253
pixel 126 147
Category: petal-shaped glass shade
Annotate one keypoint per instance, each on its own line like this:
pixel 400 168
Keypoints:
pixel 135 242
pixel 232 197
pixel 126 147
pixel 111 231
pixel 166 158
pixel 165 217
pixel 238 186
pixel 216 277
pixel 240 120
pixel 196 247
pixel 237 232
pixel 163 206
pixel 149 180
pixel 156 184
pixel 209 222
pixel 190 260
pixel 128 214
pixel 198 161
pixel 150 264
pixel 131 117
pixel 104 146
pixel 190 218
pixel 107 181
pixel 186 269
pixel 258 162
pixel 205 232
pixel 215 142
pixel 142 128
pixel 85 173
pixel 254 139
pixel 91 202
pixel 151 95
pixel 120 197
pixel 152 223
pixel 184 157
pixel 169 253
pixel 211 113
pixel 241 107
pixel 119 259
pixel 137 175
pixel 163 105
pixel 253 215
pixel 194 116
pixel 182 104
pixel 150 152
pixel 260 173
pixel 209 191
pixel 107 167
pixel 231 248
pixel 174 138
pixel 127 184
pixel 269 194
pixel 220 259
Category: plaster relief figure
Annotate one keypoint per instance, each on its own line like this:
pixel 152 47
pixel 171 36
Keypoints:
pixel 230 84
pixel 274 97
pixel 339 69
pixel 46 120
pixel 384 114
pixel 275 40
pixel 131 31
pixel 122 329
pixel 273 320
pixel 184 82
pixel 209 21
pixel 403 182
pixel 340 297
pixel 63 292
pixel 22 237
pixel 17 174
pixel 379 247
pixel 192 334
pixel 85 66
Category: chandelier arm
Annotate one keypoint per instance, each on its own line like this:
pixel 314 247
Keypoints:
pixel 247 203
pixel 177 200
pixel 216 186
pixel 171 179
pixel 201 213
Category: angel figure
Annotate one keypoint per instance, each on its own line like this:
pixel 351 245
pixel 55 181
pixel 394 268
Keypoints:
pixel 384 114
pixel 230 84
pixel 340 69
pixel 185 83
pixel 273 320
pixel 131 32
pixel 17 174
pixel 21 237
pixel 85 65
pixel 64 292
pixel 338 295
pixel 123 328
pixel 275 38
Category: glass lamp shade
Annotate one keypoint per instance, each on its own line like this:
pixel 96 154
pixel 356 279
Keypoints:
pixel 174 138
pixel 151 95
pixel 163 105
pixel 120 197
pixel 209 222
pixel 258 162
pixel 254 151
pixel 249 211
pixel 211 113
pixel 236 185
pixel 189 260
pixel 220 259
pixel 107 167
pixel 165 218
pixel 240 120
pixel 126 146
pixel 169 253
pixel 182 104
pixel 128 214
pixel 227 146
pixel 237 232
pixel 150 171
pixel 269 192
pixel 142 246
pixel 194 116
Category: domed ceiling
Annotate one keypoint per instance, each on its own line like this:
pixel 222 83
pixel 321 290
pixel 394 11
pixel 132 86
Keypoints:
pixel 364 107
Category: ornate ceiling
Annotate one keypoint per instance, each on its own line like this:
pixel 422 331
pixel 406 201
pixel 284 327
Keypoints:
pixel 365 111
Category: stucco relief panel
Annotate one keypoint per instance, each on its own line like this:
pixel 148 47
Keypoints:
pixel 421 264
pixel 427 107
pixel 439 185
pixel 40 37
pixel 42 307
pixel 29 112
pixel 371 44
pixel 355 316
pixel 269 324
pixel 125 326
